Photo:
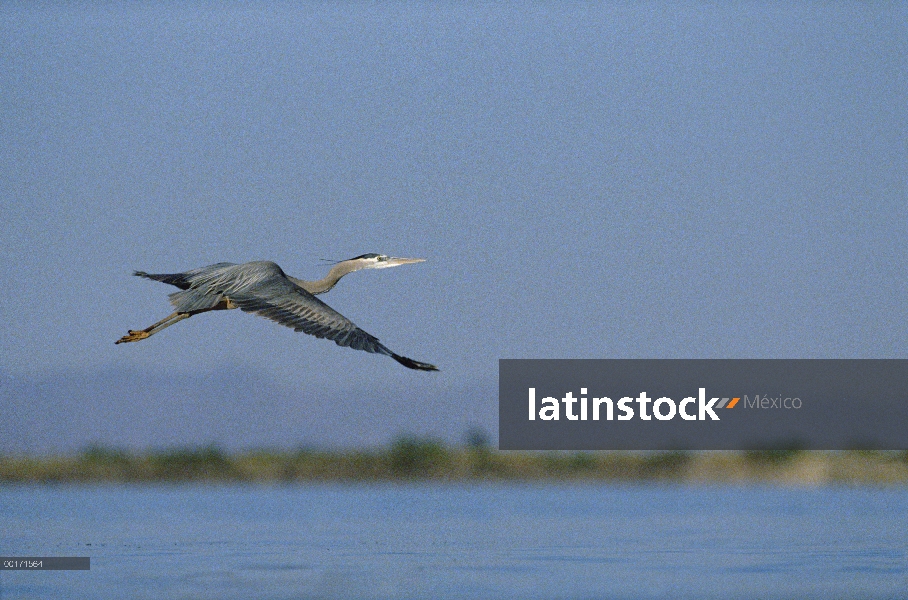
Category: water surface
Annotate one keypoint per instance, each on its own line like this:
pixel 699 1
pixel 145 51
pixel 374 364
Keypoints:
pixel 459 541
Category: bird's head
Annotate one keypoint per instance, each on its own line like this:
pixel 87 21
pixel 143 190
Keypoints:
pixel 380 261
pixel 341 268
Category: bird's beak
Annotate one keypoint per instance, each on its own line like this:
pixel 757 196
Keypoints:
pixel 393 261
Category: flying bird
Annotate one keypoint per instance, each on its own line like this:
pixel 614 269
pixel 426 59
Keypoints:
pixel 261 287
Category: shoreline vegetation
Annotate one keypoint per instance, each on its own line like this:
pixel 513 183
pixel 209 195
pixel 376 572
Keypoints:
pixel 421 459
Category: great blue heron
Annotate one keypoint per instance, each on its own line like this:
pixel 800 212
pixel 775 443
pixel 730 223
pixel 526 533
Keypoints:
pixel 261 287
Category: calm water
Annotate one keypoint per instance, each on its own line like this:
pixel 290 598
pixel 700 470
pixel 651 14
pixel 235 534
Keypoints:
pixel 458 541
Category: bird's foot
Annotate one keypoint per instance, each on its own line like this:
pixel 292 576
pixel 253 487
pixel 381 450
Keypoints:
pixel 133 336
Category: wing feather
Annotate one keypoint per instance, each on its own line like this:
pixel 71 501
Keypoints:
pixel 279 299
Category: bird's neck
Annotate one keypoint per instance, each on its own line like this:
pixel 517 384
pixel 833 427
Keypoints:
pixel 329 281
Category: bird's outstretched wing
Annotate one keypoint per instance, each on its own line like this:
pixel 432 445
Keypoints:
pixel 279 299
pixel 284 302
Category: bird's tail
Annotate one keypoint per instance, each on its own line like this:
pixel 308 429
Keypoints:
pixel 177 279
pixel 413 364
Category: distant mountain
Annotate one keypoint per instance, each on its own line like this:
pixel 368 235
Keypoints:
pixel 234 407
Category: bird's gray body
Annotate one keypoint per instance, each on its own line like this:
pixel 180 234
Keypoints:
pixel 262 287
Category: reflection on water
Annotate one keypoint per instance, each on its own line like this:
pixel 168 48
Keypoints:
pixel 453 541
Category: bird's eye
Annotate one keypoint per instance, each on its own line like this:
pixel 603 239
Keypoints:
pixel 382 257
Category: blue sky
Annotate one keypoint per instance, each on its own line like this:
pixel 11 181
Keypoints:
pixel 584 180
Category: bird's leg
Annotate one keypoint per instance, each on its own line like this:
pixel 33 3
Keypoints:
pixel 135 336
